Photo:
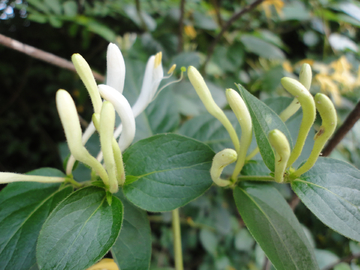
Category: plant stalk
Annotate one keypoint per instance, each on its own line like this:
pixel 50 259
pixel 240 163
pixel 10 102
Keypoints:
pixel 177 240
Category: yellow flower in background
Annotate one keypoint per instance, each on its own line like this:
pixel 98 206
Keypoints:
pixel 190 31
pixel 278 5
pixel 105 264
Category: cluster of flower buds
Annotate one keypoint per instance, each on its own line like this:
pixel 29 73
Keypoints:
pixel 284 156
pixel 226 156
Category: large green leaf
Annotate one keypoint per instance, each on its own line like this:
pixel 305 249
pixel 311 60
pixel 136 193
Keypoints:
pixel 264 120
pixel 331 190
pixel 261 47
pixel 24 209
pixel 166 171
pixel 274 226
pixel 80 230
pixel 132 250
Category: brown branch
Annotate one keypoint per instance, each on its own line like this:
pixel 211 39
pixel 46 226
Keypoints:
pixel 350 121
pixel 42 55
pixel 346 259
pixel 225 28
pixel 217 11
pixel 181 26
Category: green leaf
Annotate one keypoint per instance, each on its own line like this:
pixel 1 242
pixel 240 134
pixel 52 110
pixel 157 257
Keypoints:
pixel 209 241
pixel 80 230
pixel 261 47
pixel 264 120
pixel 172 170
pixel 132 250
pixel 274 226
pixel 24 208
pixel 331 191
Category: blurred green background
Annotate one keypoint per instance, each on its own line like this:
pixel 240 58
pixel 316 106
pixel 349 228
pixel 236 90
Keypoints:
pixel 268 42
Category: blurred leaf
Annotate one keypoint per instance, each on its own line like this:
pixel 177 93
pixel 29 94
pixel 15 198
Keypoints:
pixel 102 30
pixel 131 12
pixel 274 226
pixel 295 10
pixel 342 266
pixel 325 258
pixel 37 17
pixel 354 247
pixel 331 196
pixel 54 5
pixel 209 241
pixel 80 230
pixel 244 241
pixel 171 170
pixel 261 48
pixel 204 21
pixel 70 8
pixel 348 8
pixel 186 59
pixel 132 250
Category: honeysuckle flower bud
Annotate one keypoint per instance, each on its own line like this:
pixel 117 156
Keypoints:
pixel 282 153
pixel 220 161
pixel 152 78
pixel 71 124
pixel 203 92
pixel 6 177
pixel 106 130
pixel 242 114
pixel 305 76
pixel 115 70
pixel 123 108
pixel 309 113
pixel 85 73
pixel 328 115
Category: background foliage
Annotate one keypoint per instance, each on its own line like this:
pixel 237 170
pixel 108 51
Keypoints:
pixel 268 42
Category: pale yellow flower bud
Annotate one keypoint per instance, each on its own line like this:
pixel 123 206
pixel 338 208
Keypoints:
pixel 282 153
pixel 220 161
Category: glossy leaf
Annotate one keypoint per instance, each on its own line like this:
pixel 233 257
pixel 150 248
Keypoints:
pixel 24 209
pixel 274 226
pixel 132 249
pixel 264 120
pixel 80 230
pixel 331 190
pixel 166 171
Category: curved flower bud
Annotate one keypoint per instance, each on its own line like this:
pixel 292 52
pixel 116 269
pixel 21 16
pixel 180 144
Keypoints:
pixel 106 130
pixel 115 70
pixel 203 92
pixel 70 121
pixel 85 73
pixel 123 108
pixel 282 153
pixel 309 113
pixel 152 78
pixel 242 114
pixel 305 79
pixel 329 120
pixel 16 177
pixel 220 161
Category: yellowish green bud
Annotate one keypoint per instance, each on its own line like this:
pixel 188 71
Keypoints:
pixel 328 115
pixel 243 116
pixel 85 73
pixel 282 153
pixel 106 130
pixel 203 92
pixel 70 121
pixel 220 161
pixel 305 76
pixel 309 113
pixel 6 177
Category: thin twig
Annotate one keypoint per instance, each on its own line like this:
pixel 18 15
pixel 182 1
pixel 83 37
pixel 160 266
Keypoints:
pixel 346 259
pixel 181 26
pixel 225 28
pixel 42 55
pixel 350 121
pixel 217 11
pixel 138 10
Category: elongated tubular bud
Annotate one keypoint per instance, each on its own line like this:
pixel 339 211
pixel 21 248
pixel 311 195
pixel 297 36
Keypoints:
pixel 220 161
pixel 85 74
pixel 203 92
pixel 282 153
pixel 309 113
pixel 70 121
pixel 305 79
pixel 242 114
pixel 106 130
pixel 115 70
pixel 327 112
pixel 6 177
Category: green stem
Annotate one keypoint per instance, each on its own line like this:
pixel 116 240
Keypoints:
pixel 177 239
pixel 73 182
pixel 255 178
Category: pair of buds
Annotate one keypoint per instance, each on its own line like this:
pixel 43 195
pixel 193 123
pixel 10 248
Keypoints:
pixel 284 157
pixel 226 156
